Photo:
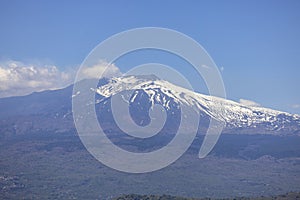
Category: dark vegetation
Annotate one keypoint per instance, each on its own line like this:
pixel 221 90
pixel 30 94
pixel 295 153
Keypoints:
pixel 287 196
pixel 57 166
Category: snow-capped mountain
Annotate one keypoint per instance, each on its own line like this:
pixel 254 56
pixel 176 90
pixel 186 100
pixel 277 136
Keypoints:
pixel 51 111
pixel 150 90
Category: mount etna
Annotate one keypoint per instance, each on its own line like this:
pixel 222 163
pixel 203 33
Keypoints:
pixel 42 157
pixel 52 110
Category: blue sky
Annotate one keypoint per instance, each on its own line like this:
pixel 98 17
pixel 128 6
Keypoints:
pixel 257 43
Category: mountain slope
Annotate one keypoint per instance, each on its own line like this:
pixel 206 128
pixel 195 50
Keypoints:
pixel 236 116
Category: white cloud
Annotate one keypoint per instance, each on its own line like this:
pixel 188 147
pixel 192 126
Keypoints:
pixel 18 78
pixel 249 103
pixel 102 69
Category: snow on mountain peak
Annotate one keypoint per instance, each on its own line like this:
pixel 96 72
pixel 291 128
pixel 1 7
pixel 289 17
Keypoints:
pixel 233 113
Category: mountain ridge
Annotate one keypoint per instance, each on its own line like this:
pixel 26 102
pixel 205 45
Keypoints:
pixel 234 114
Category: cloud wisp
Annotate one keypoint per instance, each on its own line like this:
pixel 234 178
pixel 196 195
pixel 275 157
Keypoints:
pixel 249 103
pixel 101 69
pixel 296 106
